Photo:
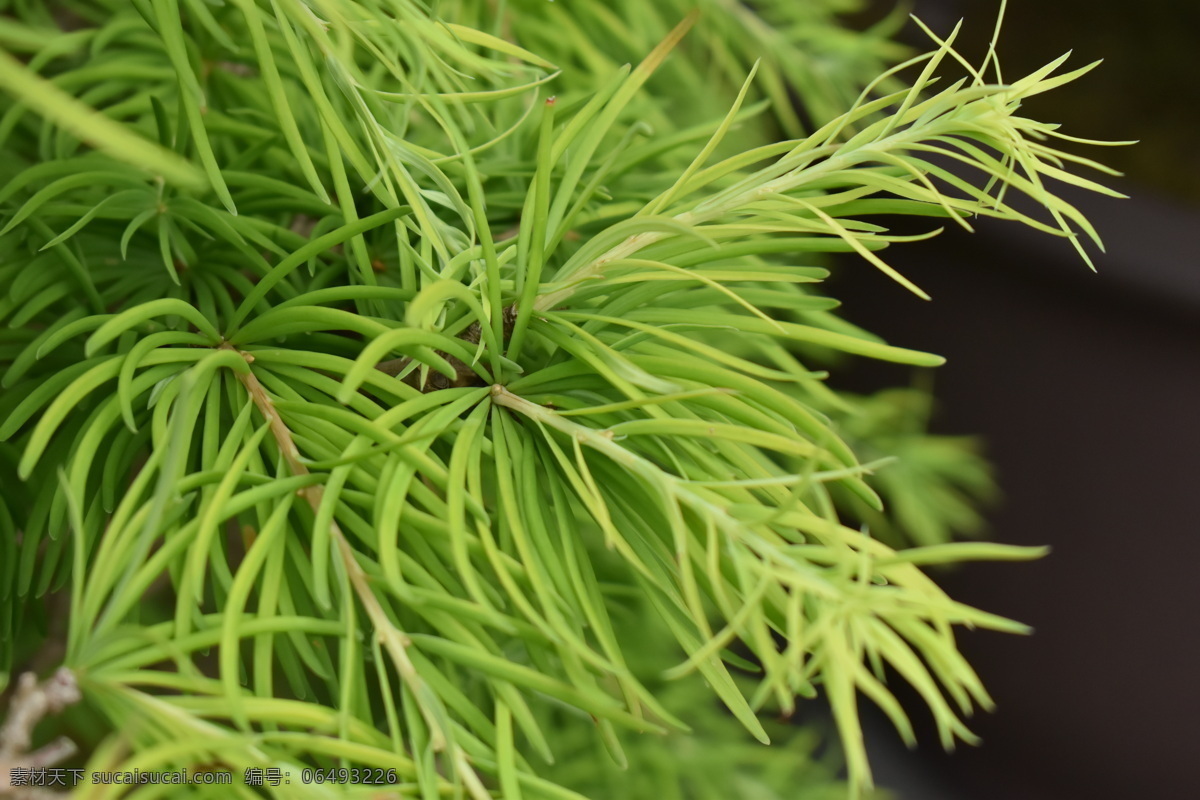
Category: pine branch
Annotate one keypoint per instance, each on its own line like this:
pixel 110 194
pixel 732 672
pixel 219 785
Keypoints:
pixel 456 426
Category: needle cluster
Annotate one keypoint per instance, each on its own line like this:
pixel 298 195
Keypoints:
pixel 423 387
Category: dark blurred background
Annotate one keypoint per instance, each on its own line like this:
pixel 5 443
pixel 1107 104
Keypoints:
pixel 1086 387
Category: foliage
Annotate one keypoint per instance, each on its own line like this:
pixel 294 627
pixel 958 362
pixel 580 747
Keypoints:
pixel 366 404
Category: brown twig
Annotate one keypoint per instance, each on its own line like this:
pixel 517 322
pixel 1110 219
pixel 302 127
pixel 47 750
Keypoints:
pixel 31 702
pixel 393 639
